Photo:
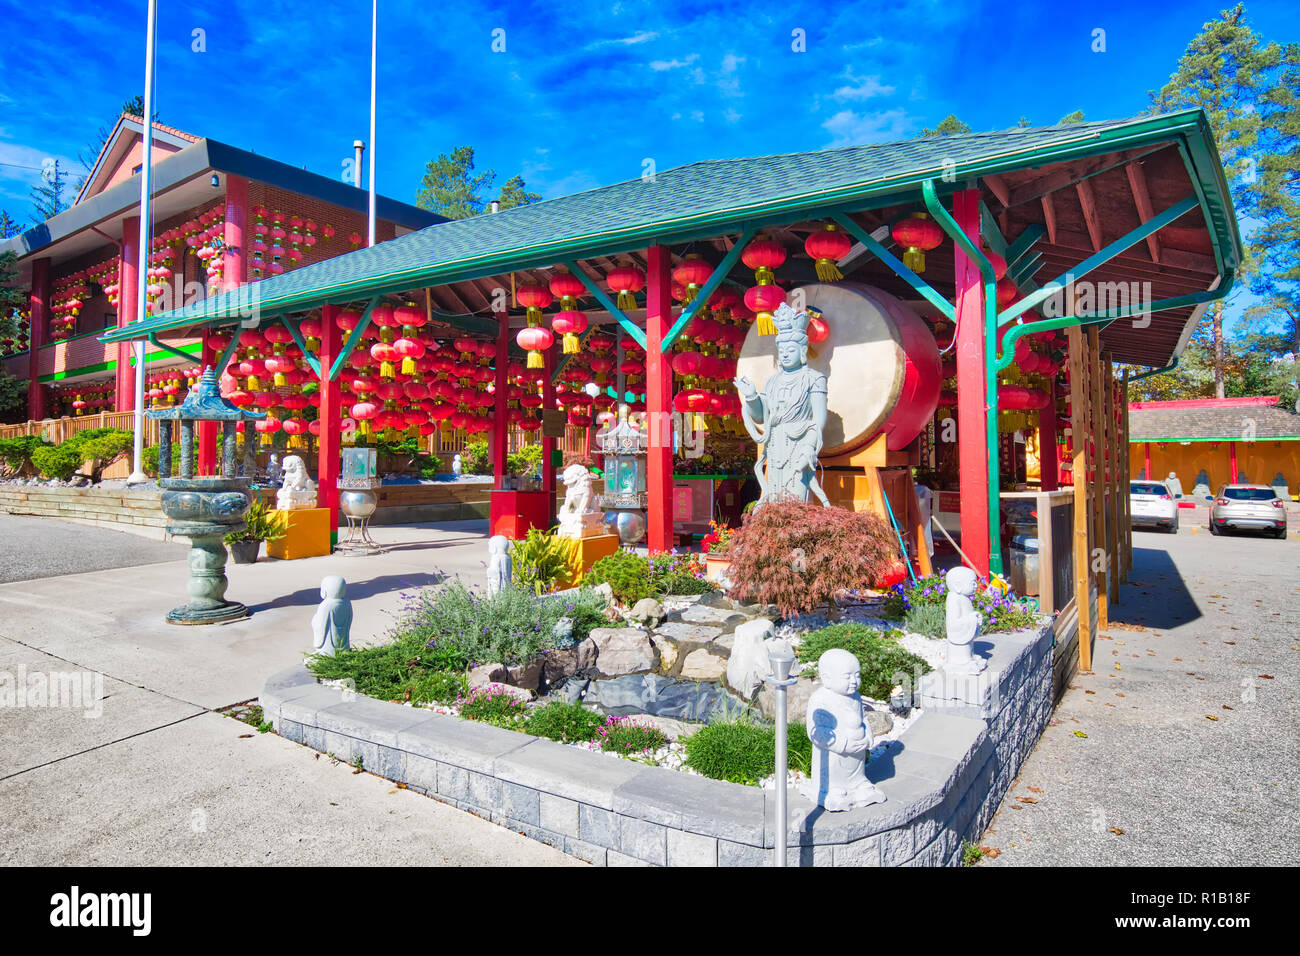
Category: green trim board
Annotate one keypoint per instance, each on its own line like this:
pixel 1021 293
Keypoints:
pixel 195 348
pixel 704 200
pixel 1230 438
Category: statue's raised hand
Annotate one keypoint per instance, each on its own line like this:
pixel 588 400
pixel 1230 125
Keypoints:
pixel 746 388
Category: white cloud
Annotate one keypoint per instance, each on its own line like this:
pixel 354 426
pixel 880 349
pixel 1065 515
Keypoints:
pixel 642 37
pixel 660 65
pixel 852 129
pixel 860 88
pixel 731 116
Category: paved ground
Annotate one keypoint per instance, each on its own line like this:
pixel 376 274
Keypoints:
pixel 1208 628
pixel 40 548
pixel 155 777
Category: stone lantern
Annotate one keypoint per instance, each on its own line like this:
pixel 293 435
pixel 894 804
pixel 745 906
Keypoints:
pixel 624 451
pixel 203 509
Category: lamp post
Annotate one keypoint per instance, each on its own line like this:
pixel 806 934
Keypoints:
pixel 781 658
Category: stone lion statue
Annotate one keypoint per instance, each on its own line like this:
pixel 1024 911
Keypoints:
pixel 577 519
pixel 297 490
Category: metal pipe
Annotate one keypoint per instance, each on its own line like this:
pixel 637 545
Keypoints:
pixel 374 50
pixel 142 262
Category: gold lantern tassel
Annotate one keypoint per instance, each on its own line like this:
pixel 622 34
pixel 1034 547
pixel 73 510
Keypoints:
pixel 698 423
pixel 385 369
pixel 254 383
pixel 535 359
pixel 627 300
pixel 534 316
pixel 571 345
pixel 408 366
pixel 280 380
pixel 914 259
pixel 827 271
pixel 764 324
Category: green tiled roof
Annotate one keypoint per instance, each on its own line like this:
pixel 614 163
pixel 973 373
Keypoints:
pixel 700 200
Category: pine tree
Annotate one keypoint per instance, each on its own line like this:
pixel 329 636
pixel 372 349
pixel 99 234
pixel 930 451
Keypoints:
pixel 47 197
pixel 450 189
pixel 949 125
pixel 1071 118
pixel 8 227
pixel 1247 90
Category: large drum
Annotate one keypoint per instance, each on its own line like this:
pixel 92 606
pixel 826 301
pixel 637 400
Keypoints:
pixel 880 362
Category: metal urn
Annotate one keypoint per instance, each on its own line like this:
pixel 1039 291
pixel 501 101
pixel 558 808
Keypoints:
pixel 624 449
pixel 203 509
pixel 357 481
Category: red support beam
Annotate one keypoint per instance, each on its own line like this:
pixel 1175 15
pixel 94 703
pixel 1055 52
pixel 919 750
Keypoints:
pixel 328 442
pixel 1146 460
pixel 548 444
pixel 234 268
pixel 501 422
pixel 127 276
pixel 658 399
pixel 1232 461
pixel 972 444
pixel 207 434
pixel 38 301
pixel 1048 465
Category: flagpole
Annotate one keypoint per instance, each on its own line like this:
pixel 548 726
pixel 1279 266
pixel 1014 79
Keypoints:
pixel 374 48
pixel 142 261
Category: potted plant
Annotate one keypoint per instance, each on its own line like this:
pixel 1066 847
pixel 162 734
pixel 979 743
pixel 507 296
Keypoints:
pixel 717 548
pixel 258 527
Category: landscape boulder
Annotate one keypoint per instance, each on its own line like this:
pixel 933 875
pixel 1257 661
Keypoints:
pixel 623 650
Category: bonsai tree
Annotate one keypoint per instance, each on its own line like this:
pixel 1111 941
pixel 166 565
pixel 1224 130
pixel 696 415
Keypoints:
pixel 799 556
pixel 258 526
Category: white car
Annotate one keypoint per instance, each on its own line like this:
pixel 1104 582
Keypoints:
pixel 1151 505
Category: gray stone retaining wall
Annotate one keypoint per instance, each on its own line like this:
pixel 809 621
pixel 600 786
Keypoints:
pixel 944 778
pixel 136 511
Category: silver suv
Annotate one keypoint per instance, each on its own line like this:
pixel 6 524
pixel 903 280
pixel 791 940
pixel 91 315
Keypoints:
pixel 1250 507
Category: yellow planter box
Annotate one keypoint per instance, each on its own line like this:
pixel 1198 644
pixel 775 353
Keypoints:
pixel 585 552
pixel 306 534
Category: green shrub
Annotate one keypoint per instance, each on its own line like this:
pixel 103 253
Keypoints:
pixel 16 453
pixel 407 454
pixel 395 671
pixel 623 735
pixel 57 461
pixel 524 461
pixel 493 705
pixel 567 723
pixel 475 458
pixel 928 619
pixel 880 656
pixel 633 576
pixel 539 559
pixel 149 459
pixel 512 626
pixel 744 751
pixel 437 687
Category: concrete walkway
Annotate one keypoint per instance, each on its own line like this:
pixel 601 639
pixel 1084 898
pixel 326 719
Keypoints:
pixel 157 777
pixel 1192 721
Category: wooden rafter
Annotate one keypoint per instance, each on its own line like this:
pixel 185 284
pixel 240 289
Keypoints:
pixel 1068 174
pixel 1088 202
pixel 998 187
pixel 1137 181
pixel 1049 217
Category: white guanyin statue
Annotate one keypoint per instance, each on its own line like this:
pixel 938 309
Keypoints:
pixel 964 623
pixel 790 415
pixel 297 490
pixel 578 518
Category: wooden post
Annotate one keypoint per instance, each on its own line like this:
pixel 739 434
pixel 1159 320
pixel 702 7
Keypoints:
pixel 658 400
pixel 330 414
pixel 972 423
pixel 1124 485
pixel 1079 419
pixel 1097 487
pixel 1112 485
pixel 501 423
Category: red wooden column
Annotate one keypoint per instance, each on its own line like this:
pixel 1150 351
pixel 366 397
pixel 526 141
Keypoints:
pixel 38 302
pixel 1232 461
pixel 659 399
pixel 1146 460
pixel 1048 464
pixel 207 434
pixel 127 276
pixel 501 423
pixel 548 444
pixel 972 437
pixel 330 414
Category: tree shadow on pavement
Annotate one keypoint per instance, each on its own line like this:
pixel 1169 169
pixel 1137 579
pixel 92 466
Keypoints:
pixel 1156 595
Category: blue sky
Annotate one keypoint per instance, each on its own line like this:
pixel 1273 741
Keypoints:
pixel 585 92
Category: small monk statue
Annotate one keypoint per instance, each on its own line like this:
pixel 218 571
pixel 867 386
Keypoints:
pixel 841 738
pixel 499 570
pixel 964 623
pixel 332 623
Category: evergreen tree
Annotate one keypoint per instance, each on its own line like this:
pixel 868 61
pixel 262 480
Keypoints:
pixel 47 197
pixel 8 227
pixel 450 188
pixel 948 126
pixel 1247 90
pixel 1071 118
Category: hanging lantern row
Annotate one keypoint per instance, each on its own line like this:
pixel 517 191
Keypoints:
pixel 281 240
pixel 14 332
pixel 84 398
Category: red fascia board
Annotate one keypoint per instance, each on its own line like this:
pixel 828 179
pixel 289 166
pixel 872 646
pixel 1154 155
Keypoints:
pixel 1249 400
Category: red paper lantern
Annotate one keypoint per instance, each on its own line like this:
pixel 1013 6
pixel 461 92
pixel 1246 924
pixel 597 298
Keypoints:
pixel 763 300
pixel 763 255
pixel 692 273
pixel 533 297
pixel 828 247
pixel 626 281
pixel 570 325
pixel 535 341
pixel 565 285
pixel 918 234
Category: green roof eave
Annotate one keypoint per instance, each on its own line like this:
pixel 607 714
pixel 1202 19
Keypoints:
pixel 1189 128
